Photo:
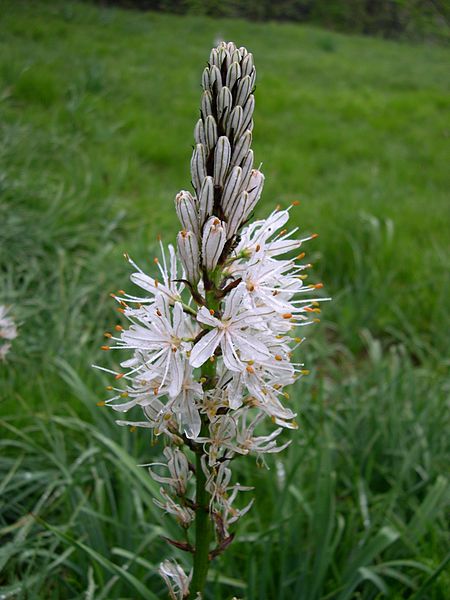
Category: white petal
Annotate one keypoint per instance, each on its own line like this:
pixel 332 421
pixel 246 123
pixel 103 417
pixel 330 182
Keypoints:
pixel 205 347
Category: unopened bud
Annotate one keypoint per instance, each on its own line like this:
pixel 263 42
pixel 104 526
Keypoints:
pixel 214 57
pixel 206 104
pixel 206 200
pixel 236 56
pixel 222 156
pixel 224 103
pixel 247 115
pixel 206 79
pixel 247 64
pixel 244 90
pixel 199 132
pixel 210 132
pixel 187 211
pixel 234 122
pixel 214 238
pixel 231 189
pixel 215 78
pixel 237 214
pixel 190 256
pixel 198 166
pixel 255 188
pixel 241 148
pixel 233 75
pixel 247 170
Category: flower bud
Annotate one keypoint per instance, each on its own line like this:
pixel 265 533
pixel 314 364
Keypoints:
pixel 236 56
pixel 247 64
pixel 234 122
pixel 233 75
pixel 198 166
pixel 238 210
pixel 199 133
pixel 210 132
pixel 206 108
pixel 253 78
pixel 214 238
pixel 186 211
pixel 214 58
pixel 215 79
pixel 247 168
pixel 241 149
pixel 206 200
pixel 231 189
pixel 206 79
pixel 247 115
pixel 190 255
pixel 254 189
pixel 224 58
pixel 243 92
pixel 222 156
pixel 224 103
pixel 244 52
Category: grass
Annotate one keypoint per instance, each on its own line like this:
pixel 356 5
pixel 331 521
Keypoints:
pixel 97 111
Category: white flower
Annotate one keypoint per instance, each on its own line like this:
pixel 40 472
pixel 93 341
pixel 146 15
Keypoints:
pixel 159 334
pixel 176 579
pixel 233 332
pixel 178 466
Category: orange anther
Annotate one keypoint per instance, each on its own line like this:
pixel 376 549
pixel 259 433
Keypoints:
pixel 119 376
pixel 300 256
pixel 287 316
pixel 314 235
pixel 211 311
pixel 295 203
pixel 257 248
pixel 101 403
pixel 107 334
pixel 118 328
pixel 105 347
pixel 250 369
pixel 155 260
pixel 278 357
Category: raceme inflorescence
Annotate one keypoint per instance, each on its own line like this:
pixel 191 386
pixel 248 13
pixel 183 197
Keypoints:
pixel 212 335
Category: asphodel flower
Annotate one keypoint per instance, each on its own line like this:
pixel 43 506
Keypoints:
pixel 211 340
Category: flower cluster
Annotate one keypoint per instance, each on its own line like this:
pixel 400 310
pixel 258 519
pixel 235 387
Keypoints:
pixel 212 336
pixel 8 332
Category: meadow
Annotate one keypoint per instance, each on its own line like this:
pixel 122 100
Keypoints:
pixel 97 109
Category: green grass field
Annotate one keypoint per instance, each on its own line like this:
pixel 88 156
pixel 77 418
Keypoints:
pixel 97 111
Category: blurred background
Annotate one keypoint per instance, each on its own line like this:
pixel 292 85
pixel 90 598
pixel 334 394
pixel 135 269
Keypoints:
pixel 98 105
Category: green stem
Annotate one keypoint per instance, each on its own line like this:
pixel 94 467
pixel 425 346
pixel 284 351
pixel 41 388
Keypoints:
pixel 202 532
pixel 203 525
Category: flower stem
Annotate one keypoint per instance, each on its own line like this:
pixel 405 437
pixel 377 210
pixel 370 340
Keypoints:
pixel 202 532
pixel 203 525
